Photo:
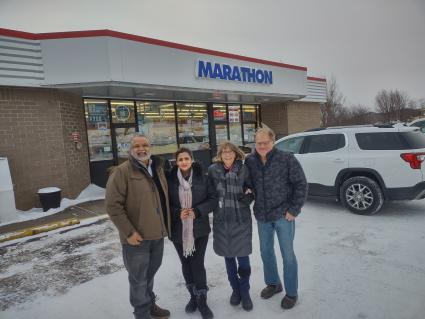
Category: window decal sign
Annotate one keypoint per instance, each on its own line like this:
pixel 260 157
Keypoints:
pixel 122 113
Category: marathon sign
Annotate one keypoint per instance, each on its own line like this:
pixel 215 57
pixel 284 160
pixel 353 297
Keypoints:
pixel 226 72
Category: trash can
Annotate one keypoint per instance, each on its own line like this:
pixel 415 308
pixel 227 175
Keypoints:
pixel 50 197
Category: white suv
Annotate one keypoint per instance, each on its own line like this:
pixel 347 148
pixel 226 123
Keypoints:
pixel 361 166
pixel 418 123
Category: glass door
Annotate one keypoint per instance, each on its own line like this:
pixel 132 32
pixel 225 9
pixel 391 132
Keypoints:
pixel 235 124
pixel 220 123
pixel 123 128
pixel 123 137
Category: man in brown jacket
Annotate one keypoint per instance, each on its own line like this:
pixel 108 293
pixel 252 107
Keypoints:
pixel 137 203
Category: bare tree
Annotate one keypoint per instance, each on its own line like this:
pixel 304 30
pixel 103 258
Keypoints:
pixel 399 101
pixel 359 114
pixel 383 104
pixel 391 104
pixel 333 108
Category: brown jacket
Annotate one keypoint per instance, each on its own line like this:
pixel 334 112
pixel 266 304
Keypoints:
pixel 133 201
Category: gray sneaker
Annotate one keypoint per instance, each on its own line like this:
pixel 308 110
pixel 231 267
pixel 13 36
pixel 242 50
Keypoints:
pixel 271 290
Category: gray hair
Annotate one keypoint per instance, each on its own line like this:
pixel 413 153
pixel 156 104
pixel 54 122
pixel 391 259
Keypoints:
pixel 239 154
pixel 137 134
pixel 266 131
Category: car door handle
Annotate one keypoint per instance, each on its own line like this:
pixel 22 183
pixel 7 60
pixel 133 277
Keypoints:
pixel 338 160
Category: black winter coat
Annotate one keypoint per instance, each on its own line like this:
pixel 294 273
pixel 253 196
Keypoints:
pixel 204 201
pixel 279 185
pixel 232 238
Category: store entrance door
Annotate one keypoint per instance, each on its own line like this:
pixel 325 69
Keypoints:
pixel 121 140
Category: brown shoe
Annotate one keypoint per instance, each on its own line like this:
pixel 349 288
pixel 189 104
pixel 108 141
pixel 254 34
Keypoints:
pixel 288 302
pixel 271 290
pixel 158 313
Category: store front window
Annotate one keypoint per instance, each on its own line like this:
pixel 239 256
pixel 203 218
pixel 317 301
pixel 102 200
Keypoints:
pixel 112 123
pixel 235 124
pixel 122 112
pixel 250 124
pixel 98 130
pixel 220 123
pixel 157 121
pixel 192 121
pixel 249 113
pixel 248 133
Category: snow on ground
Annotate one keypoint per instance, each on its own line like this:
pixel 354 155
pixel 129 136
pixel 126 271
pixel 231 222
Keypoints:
pixel 350 266
pixel 90 193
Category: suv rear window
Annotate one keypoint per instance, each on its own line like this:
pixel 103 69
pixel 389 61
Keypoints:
pixel 323 143
pixel 391 140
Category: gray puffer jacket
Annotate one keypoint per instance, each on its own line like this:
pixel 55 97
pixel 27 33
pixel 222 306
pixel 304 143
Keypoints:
pixel 279 185
pixel 232 222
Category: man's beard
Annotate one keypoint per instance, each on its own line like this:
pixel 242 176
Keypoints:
pixel 141 157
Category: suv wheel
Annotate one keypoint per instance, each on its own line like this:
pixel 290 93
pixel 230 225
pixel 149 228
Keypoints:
pixel 362 195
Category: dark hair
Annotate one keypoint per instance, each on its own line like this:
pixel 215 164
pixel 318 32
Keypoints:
pixel 183 150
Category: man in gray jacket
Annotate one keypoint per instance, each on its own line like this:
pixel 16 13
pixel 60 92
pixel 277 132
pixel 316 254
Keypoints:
pixel 137 203
pixel 280 189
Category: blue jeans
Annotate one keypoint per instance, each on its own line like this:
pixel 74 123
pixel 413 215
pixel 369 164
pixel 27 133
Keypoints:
pixel 142 262
pixel 285 231
pixel 238 276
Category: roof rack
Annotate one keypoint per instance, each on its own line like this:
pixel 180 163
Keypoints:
pixel 377 125
pixel 315 129
pixel 349 126
pixel 384 125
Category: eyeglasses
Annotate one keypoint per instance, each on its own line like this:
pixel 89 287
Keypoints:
pixel 227 152
pixel 263 143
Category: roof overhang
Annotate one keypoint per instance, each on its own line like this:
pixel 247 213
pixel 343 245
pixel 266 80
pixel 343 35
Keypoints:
pixel 105 63
pixel 137 91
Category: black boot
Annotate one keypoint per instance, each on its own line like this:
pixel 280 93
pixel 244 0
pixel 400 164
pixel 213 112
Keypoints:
pixel 235 298
pixel 201 300
pixel 244 275
pixel 246 301
pixel 191 305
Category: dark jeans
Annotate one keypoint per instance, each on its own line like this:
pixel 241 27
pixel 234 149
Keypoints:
pixel 193 266
pixel 142 262
pixel 238 276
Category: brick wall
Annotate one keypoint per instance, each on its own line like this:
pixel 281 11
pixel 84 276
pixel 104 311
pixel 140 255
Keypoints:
pixel 77 160
pixel 303 116
pixel 291 117
pixel 35 136
pixel 275 116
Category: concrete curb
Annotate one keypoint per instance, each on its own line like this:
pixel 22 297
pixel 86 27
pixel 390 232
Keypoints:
pixel 38 229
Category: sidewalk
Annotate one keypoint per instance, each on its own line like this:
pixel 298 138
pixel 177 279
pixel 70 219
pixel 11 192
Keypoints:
pixel 69 216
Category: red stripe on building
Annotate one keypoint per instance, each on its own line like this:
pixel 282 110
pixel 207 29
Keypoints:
pixel 138 38
pixel 312 78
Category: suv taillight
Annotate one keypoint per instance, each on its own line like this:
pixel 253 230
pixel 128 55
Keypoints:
pixel 414 159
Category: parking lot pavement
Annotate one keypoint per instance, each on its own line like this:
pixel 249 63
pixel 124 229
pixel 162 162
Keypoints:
pixel 350 266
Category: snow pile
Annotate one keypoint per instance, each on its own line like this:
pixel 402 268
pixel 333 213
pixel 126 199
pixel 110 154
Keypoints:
pixel 90 193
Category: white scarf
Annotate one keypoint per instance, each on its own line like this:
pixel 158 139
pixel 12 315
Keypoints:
pixel 185 197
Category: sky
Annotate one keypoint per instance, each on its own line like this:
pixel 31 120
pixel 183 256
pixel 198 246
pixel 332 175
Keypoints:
pixel 366 45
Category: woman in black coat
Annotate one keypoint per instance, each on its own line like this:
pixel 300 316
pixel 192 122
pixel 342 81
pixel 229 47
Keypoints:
pixel 232 231
pixel 191 200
